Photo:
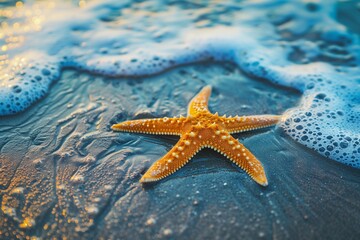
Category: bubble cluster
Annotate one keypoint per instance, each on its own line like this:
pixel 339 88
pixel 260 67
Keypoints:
pixel 314 130
pixel 19 89
pixel 296 44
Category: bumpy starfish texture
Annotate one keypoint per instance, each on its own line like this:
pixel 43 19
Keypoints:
pixel 201 129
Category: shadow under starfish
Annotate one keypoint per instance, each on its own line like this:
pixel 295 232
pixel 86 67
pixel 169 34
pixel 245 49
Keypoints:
pixel 201 129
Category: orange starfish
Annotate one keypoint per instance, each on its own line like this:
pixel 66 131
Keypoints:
pixel 201 129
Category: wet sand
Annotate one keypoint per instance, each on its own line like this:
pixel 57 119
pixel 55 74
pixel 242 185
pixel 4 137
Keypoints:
pixel 65 173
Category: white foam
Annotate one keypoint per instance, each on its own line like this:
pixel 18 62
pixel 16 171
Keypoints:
pixel 281 42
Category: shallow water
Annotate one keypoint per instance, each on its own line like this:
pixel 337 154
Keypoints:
pixel 63 172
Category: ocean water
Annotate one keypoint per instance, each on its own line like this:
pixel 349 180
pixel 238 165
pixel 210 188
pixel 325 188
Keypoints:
pixel 69 70
pixel 297 44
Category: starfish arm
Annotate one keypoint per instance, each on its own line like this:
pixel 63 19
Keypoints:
pixel 247 123
pixel 199 104
pixel 177 157
pixel 240 155
pixel 164 126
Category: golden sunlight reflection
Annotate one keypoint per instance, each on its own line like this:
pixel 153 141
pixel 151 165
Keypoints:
pixel 19 4
pixel 82 3
pixel 18 21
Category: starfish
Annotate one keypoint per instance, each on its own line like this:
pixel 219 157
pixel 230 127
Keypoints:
pixel 201 129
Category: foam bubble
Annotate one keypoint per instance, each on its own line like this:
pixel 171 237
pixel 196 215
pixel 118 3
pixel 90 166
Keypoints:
pixel 297 44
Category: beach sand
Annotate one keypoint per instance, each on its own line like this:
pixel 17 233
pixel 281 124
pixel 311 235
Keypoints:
pixel 64 173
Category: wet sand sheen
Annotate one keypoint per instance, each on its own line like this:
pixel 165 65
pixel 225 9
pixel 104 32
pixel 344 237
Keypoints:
pixel 65 173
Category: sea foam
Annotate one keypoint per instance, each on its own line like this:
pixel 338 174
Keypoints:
pixel 298 44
